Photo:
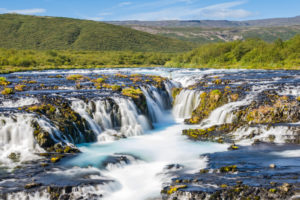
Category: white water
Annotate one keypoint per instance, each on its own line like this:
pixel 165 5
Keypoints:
pixel 164 145
pixel 132 122
pixel 19 103
pixel 156 149
pixel 16 136
pixel 185 102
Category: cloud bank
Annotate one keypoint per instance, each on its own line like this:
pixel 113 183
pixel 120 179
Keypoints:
pixel 24 11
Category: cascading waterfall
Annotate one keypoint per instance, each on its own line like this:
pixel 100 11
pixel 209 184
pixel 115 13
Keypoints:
pixel 83 110
pixel 120 117
pixel 186 101
pixel 154 158
pixel 155 103
pixel 224 114
pixel 123 120
pixel 16 136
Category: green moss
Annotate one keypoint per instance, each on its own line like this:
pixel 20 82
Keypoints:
pixel 204 171
pixel 116 87
pixel 55 159
pixel 76 77
pixel 230 168
pixel 3 81
pixel 234 147
pixel 19 87
pixel 174 188
pixel 7 91
pixel 217 81
pixel 130 92
pixel 175 92
pixel 99 80
pixel 272 190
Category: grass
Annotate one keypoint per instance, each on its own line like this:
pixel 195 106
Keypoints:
pixel 249 54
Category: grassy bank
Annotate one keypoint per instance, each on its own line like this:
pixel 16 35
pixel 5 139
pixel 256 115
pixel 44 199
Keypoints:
pixel 248 54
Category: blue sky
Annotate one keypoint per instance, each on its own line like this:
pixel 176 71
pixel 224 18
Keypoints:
pixel 104 10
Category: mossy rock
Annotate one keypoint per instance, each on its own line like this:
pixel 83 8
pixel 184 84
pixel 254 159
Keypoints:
pixel 32 185
pixel 175 92
pixel 15 157
pixel 55 159
pixel 7 91
pixel 230 168
pixel 175 188
pixel 131 92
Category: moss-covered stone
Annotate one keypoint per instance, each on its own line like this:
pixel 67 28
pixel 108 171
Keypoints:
pixel 15 157
pixel 77 77
pixel 4 82
pixel 175 92
pixel 55 159
pixel 174 188
pixel 226 169
pixel 7 91
pixel 32 185
pixel 19 87
pixel 133 93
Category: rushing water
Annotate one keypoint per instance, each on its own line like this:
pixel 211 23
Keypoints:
pixel 136 167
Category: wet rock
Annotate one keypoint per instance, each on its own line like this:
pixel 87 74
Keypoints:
pixel 15 157
pixel 32 185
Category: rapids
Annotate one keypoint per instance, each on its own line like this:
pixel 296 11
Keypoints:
pixel 135 153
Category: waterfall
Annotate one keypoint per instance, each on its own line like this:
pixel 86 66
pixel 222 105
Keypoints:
pixel 16 136
pixel 224 114
pixel 154 103
pixel 83 110
pixel 110 118
pixel 132 123
pixel 185 102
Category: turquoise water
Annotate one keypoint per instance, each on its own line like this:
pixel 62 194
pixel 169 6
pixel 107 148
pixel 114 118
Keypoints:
pixel 143 177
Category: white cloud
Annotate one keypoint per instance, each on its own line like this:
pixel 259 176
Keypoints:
pixel 95 18
pixel 217 11
pixel 125 3
pixel 24 11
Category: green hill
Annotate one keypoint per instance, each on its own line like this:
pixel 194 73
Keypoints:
pixel 42 33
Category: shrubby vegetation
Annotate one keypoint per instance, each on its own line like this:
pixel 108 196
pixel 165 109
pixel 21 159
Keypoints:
pixel 15 60
pixel 251 53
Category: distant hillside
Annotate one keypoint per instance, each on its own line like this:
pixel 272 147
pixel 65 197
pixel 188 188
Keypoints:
pixel 215 23
pixel 207 31
pixel 32 32
pixel 209 35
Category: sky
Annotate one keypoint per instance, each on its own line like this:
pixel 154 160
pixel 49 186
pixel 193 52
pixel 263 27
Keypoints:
pixel 148 10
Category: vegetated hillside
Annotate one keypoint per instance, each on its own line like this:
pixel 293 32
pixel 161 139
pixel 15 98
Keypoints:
pixel 215 23
pixel 251 53
pixel 33 32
